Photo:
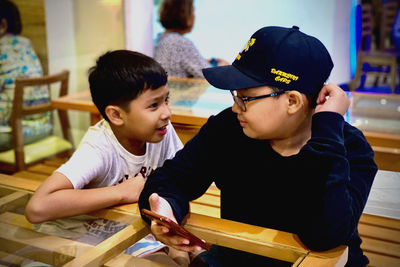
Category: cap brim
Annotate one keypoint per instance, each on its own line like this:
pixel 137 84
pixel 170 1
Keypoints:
pixel 229 78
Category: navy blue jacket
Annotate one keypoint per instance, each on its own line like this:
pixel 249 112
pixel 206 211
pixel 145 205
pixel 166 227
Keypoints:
pixel 318 194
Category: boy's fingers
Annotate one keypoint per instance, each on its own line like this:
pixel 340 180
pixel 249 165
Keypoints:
pixel 178 240
pixel 154 200
pixel 158 228
pixel 322 95
pixel 170 235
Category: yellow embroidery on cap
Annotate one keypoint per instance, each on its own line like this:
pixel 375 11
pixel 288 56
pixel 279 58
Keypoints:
pixel 249 44
pixel 284 77
pixel 246 47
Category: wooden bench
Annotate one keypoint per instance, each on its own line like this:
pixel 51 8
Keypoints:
pixel 19 241
pixel 381 240
pixel 387 150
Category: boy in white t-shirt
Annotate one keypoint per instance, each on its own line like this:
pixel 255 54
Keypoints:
pixel 115 156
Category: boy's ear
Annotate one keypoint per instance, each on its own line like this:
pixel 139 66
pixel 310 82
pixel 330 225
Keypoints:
pixel 114 114
pixel 295 101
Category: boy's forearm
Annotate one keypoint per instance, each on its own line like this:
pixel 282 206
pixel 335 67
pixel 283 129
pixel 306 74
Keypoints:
pixel 71 202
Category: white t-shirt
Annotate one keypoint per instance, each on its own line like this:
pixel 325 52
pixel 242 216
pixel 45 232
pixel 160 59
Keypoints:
pixel 100 160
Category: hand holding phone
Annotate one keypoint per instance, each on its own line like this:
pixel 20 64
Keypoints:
pixel 176 228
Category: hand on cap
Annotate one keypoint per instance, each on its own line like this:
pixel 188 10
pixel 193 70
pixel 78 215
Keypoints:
pixel 332 98
pixel 161 206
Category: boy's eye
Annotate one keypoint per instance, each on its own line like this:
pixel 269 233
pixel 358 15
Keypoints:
pixel 154 105
pixel 159 102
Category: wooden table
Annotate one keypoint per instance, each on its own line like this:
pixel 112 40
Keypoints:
pixel 378 116
pixel 194 100
pixel 19 240
pixel 379 225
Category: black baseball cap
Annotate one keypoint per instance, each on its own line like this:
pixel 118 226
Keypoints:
pixel 280 57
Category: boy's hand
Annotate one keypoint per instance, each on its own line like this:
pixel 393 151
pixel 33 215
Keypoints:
pixel 161 206
pixel 131 188
pixel 332 98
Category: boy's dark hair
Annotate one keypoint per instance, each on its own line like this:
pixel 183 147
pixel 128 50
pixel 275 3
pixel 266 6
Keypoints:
pixel 9 11
pixel 175 14
pixel 120 76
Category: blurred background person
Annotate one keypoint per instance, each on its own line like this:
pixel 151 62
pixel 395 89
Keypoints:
pixel 18 59
pixel 176 53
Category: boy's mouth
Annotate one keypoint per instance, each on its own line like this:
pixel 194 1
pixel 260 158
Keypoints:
pixel 242 122
pixel 162 130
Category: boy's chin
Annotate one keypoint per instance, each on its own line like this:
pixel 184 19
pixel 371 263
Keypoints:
pixel 252 135
pixel 156 139
pixel 248 133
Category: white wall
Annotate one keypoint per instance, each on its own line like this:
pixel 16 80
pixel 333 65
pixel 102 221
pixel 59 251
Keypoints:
pixel 78 32
pixel 223 27
pixel 61 54
pixel 138 21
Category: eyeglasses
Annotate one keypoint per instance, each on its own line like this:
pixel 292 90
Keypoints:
pixel 241 101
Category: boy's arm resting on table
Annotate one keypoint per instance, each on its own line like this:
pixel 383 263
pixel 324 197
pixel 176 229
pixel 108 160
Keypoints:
pixel 56 198
pixel 346 171
pixel 63 194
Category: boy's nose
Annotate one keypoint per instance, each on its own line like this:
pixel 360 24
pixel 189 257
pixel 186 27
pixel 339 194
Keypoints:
pixel 166 114
pixel 235 108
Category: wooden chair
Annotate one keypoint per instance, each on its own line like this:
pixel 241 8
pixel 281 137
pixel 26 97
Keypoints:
pixel 21 155
pixel 367 25
pixel 388 16
pixel 379 64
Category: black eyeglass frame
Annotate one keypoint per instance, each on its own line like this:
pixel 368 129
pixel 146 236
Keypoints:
pixel 241 101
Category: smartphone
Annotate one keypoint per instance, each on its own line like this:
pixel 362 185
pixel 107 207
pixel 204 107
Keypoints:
pixel 176 228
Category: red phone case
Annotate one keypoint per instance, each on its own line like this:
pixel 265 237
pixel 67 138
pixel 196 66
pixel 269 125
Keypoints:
pixel 167 222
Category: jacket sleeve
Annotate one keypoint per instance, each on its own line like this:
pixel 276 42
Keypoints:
pixel 347 170
pixel 182 178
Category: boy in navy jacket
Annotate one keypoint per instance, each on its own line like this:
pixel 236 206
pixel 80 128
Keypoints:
pixel 283 152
